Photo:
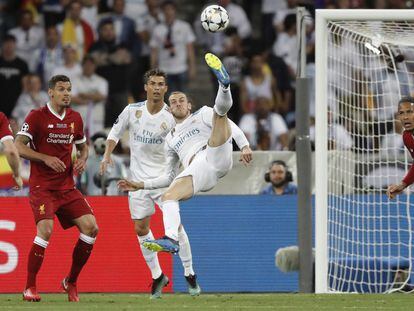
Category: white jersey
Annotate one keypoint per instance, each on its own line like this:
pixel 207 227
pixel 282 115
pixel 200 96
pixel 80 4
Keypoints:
pixel 186 139
pixel 147 134
pixel 190 136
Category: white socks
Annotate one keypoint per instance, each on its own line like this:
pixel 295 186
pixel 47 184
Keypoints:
pixel 223 101
pixel 171 218
pixel 150 257
pixel 39 241
pixel 185 252
pixel 87 239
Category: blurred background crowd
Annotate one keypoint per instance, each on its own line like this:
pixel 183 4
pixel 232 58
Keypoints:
pixel 105 46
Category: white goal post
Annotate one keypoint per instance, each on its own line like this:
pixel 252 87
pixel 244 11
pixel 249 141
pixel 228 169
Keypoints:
pixel 364 65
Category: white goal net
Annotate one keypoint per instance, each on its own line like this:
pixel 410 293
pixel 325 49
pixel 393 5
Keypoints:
pixel 364 240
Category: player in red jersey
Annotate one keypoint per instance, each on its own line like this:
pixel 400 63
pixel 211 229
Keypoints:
pixel 51 131
pixel 9 149
pixel 406 116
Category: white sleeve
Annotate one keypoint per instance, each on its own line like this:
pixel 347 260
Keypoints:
pixel 238 136
pixel 119 126
pixel 207 116
pixel 244 27
pixel 156 40
pixel 166 179
pixel 103 87
pixel 279 126
pixel 190 38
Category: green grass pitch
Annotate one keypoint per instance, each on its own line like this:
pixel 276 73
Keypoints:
pixel 213 302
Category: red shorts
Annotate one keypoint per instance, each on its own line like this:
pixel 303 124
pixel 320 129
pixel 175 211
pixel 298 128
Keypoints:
pixel 65 204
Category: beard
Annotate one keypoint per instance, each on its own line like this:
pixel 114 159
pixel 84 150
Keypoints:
pixel 180 115
pixel 278 184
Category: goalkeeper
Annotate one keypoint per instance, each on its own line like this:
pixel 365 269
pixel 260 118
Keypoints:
pixel 406 116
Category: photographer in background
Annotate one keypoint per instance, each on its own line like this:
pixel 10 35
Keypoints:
pixel 265 130
pixel 280 178
pixel 91 181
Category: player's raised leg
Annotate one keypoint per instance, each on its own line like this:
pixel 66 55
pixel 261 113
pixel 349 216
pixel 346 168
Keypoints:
pixel 35 260
pixel 88 231
pixel 221 130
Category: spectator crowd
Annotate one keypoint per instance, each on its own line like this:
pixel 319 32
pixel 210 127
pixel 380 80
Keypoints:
pixel 105 47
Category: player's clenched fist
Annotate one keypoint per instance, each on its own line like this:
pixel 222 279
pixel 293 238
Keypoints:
pixel 393 190
pixel 55 164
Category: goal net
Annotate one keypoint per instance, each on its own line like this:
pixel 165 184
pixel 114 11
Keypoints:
pixel 365 64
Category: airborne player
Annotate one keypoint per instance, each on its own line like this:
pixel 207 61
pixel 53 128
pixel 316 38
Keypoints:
pixel 202 142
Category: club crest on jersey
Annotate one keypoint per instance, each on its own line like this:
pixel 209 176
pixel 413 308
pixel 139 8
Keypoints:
pixel 164 126
pixel 138 114
pixel 72 127
pixel 42 209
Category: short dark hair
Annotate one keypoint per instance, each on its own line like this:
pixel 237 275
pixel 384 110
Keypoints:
pixel 154 72
pixel 71 3
pixel 289 21
pixel 168 2
pixel 9 37
pixel 104 22
pixel 25 12
pixel 58 78
pixel 88 57
pixel 406 99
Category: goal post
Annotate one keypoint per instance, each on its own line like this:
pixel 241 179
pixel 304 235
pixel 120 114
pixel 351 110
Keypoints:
pixel 364 65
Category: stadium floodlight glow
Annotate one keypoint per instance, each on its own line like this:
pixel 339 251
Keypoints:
pixel 364 61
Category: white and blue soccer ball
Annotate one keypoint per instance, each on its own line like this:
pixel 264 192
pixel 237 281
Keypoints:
pixel 214 18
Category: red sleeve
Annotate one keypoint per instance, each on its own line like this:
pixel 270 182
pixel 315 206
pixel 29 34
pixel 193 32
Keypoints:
pixel 30 125
pixel 79 134
pixel 5 129
pixel 409 177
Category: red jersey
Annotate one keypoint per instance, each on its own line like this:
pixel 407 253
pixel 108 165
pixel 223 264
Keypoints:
pixel 408 139
pixel 5 129
pixel 53 135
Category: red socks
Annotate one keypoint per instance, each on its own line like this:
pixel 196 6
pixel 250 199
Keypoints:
pixel 35 260
pixel 81 253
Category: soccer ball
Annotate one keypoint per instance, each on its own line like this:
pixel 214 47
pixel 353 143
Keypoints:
pixel 214 18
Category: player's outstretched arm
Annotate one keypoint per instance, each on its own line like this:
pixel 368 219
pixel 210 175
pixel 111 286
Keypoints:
pixel 129 185
pixel 27 153
pixel 396 189
pixel 167 178
pixel 246 155
pixel 12 156
pixel 107 160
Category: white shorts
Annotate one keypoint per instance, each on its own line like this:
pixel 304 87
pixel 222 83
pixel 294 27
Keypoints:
pixel 141 202
pixel 209 165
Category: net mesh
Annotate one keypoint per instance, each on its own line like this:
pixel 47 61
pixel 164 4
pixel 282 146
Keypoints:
pixel 370 67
